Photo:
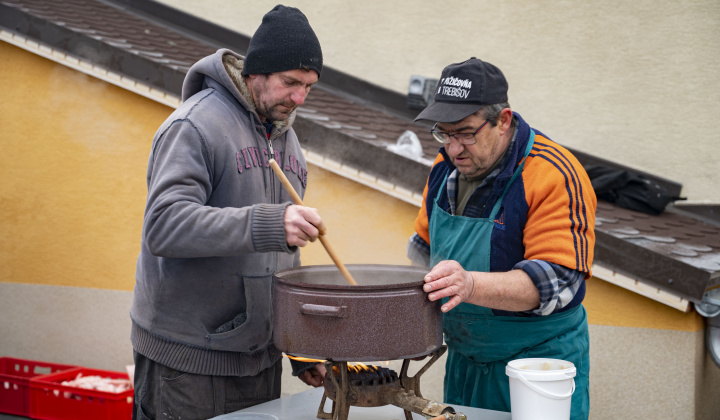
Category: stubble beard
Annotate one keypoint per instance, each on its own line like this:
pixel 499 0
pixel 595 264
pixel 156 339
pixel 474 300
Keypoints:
pixel 271 112
pixel 274 112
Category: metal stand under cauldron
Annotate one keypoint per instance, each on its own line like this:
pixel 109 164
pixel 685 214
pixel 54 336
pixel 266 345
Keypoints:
pixel 374 386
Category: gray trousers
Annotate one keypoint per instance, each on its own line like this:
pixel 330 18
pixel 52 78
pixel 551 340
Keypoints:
pixel 162 393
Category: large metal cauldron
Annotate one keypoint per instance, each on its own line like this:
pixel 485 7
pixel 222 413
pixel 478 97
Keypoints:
pixel 386 316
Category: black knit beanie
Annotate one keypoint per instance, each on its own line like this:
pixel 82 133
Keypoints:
pixel 284 41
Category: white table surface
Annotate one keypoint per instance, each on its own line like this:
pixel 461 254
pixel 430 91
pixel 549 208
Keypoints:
pixel 304 406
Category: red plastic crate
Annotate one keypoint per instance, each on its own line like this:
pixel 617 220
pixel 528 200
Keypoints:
pixel 15 377
pixel 50 400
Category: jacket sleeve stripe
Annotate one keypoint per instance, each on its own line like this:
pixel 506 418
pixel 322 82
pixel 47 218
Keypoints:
pixel 581 205
pixel 577 215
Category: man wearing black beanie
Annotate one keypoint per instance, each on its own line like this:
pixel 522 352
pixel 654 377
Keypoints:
pixel 284 41
pixel 218 224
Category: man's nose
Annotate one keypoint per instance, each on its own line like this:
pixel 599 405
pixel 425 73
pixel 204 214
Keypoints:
pixel 298 95
pixel 453 146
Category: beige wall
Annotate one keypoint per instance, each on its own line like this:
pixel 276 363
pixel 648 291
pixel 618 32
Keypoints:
pixel 364 226
pixel 71 202
pixel 73 165
pixel 635 82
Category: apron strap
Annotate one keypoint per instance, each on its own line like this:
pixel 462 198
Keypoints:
pixel 518 171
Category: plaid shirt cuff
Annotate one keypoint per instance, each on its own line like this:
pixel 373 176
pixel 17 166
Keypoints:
pixel 418 251
pixel 557 284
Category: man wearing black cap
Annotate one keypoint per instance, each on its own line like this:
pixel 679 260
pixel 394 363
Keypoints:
pixel 218 224
pixel 507 227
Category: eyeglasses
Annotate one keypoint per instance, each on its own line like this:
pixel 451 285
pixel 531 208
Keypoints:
pixel 462 138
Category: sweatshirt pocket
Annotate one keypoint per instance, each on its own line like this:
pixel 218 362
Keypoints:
pixel 251 330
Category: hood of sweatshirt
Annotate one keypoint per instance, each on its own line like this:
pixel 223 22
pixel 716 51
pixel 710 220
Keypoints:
pixel 224 68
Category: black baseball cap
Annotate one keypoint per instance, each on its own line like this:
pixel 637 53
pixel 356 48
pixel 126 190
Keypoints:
pixel 463 89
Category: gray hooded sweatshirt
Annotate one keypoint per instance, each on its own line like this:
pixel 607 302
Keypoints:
pixel 213 232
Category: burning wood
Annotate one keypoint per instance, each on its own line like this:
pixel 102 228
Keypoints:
pixel 304 359
pixel 359 367
pixel 356 368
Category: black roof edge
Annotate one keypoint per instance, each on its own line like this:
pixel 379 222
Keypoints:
pixel 708 213
pixel 345 85
pixel 189 25
pixel 142 69
pixel 667 274
pixel 380 162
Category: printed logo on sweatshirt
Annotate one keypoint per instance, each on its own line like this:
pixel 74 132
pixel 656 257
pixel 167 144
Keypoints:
pixel 253 157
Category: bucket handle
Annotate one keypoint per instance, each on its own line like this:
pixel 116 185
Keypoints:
pixel 544 392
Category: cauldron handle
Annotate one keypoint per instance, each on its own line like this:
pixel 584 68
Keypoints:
pixel 323 310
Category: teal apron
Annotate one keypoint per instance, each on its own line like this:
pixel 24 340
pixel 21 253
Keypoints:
pixel 479 343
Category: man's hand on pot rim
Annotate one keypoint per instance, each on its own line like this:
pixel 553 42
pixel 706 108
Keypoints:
pixel 449 279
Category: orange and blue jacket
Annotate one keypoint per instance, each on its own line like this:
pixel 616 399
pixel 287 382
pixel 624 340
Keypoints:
pixel 547 215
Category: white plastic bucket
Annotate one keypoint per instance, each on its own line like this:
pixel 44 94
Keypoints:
pixel 540 389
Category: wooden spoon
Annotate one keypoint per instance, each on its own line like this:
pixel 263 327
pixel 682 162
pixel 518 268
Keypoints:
pixel 297 200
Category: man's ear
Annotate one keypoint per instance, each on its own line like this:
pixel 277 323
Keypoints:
pixel 505 119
